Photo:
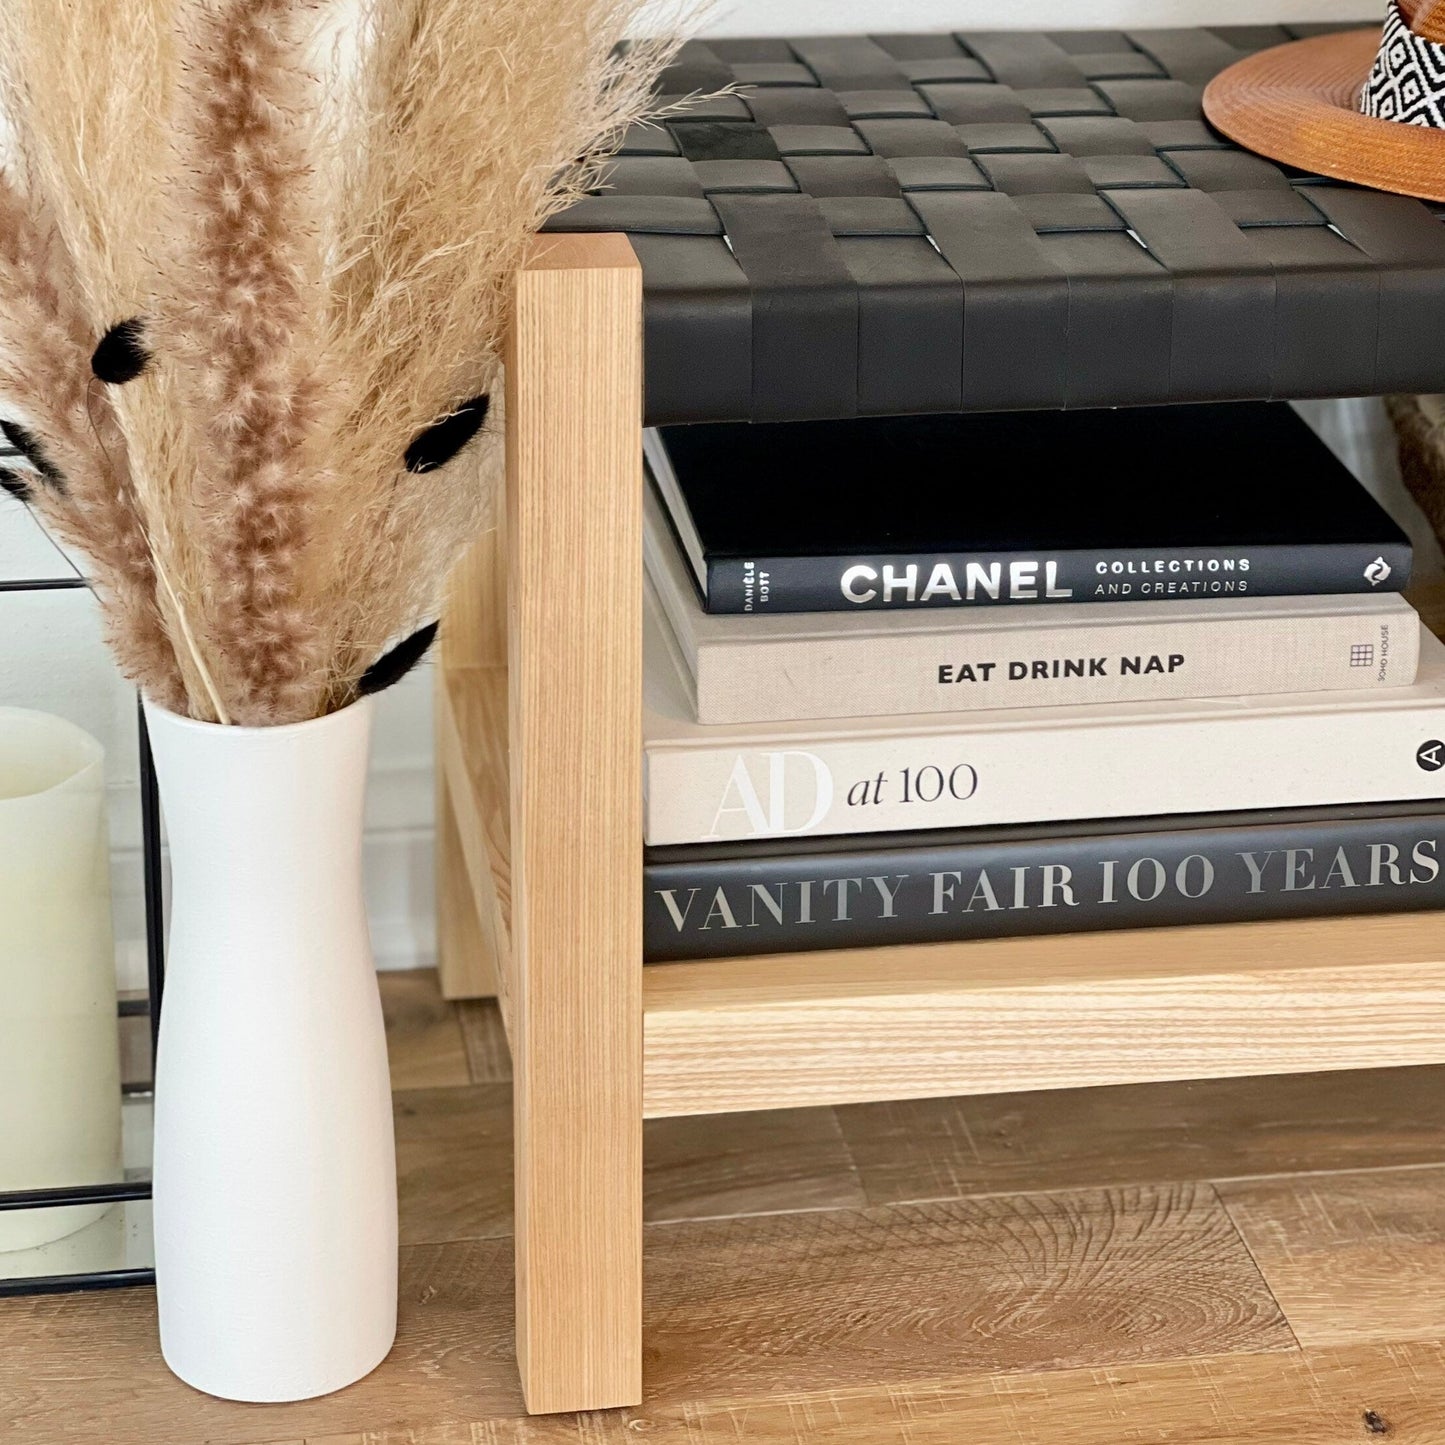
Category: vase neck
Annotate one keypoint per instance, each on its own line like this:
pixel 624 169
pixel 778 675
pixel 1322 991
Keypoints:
pixel 293 797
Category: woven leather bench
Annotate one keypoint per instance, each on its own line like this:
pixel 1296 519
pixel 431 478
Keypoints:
pixel 903 223
pixel 866 225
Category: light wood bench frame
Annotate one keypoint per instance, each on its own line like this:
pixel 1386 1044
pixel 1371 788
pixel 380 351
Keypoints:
pixel 539 865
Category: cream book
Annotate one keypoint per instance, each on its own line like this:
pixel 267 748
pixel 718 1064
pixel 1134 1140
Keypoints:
pixel 777 667
pixel 1027 765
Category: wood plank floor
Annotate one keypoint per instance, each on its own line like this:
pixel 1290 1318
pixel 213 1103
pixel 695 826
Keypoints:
pixel 1254 1262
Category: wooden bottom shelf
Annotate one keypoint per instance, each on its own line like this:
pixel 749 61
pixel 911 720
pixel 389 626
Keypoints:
pixel 1042 1013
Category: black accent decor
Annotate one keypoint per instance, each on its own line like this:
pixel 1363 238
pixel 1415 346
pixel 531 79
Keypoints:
pixel 391 667
pixel 121 355
pixel 441 441
pixel 15 484
pixel 152 841
pixel 28 445
pixel 886 224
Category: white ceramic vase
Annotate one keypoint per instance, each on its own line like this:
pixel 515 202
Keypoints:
pixel 275 1169
pixel 60 1120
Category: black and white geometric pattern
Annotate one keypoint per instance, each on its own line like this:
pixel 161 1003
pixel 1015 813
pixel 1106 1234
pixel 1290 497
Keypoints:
pixel 1407 83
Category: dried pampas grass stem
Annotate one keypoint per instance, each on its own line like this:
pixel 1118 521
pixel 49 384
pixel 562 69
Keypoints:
pixel 237 309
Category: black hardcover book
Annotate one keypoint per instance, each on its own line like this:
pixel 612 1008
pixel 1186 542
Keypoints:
pixel 1145 504
pixel 709 902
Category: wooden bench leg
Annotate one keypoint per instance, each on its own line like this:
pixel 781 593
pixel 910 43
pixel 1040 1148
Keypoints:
pixel 466 964
pixel 574 568
pixel 471 932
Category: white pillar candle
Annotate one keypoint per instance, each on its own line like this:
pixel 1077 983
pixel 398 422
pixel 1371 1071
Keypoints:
pixel 60 1119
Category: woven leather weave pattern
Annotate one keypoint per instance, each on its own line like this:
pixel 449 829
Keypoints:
pixel 899 223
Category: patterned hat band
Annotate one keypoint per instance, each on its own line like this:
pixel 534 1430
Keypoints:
pixel 1407 81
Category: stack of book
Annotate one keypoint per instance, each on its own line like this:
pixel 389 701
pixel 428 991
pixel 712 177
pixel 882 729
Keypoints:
pixel 919 679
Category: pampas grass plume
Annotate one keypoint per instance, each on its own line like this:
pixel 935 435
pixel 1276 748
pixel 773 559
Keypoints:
pixel 82 488
pixel 253 300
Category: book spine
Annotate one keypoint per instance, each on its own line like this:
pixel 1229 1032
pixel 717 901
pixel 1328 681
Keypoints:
pixel 1212 759
pixel 1230 653
pixel 893 582
pixel 789 903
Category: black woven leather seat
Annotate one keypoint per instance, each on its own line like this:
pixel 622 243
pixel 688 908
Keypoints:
pixel 903 223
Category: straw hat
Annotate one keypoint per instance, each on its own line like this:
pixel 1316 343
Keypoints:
pixel 1359 106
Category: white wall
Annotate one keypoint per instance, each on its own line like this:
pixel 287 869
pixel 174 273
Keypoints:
pixel 839 17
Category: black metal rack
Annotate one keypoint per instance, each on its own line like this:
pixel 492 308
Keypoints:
pixel 153 885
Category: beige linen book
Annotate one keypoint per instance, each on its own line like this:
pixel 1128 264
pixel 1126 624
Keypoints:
pixel 1119 760
pixel 773 668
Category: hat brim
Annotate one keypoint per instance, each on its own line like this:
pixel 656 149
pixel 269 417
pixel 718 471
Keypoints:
pixel 1298 103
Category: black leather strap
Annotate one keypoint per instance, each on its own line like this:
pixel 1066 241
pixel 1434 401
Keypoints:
pixel 1015 300
pixel 804 307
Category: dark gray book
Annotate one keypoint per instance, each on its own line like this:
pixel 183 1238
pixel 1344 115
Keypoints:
pixel 1151 504
pixel 854 892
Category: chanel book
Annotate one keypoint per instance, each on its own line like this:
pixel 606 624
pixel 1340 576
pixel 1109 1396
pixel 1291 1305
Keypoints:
pixel 836 664
pixel 1153 504
pixel 787 895
pixel 709 784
